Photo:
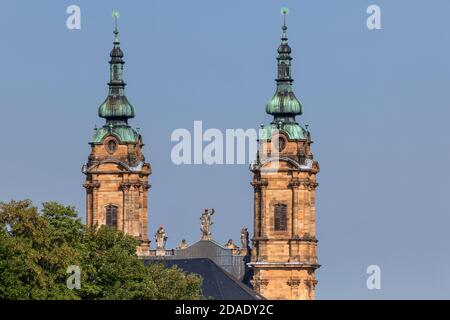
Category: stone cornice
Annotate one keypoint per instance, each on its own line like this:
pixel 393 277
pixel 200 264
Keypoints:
pixel 283 265
pixel 117 172
pixel 304 238
pixel 91 167
pixel 290 239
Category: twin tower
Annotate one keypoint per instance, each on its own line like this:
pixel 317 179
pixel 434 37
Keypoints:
pixel 284 251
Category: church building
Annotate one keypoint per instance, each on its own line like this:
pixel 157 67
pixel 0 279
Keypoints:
pixel 280 260
pixel 284 254
pixel 116 171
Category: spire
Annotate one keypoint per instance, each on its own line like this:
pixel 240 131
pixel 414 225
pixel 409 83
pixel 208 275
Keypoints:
pixel 116 52
pixel 116 16
pixel 284 53
pixel 116 109
pixel 284 105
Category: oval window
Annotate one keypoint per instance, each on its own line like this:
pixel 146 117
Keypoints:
pixel 279 144
pixel 111 146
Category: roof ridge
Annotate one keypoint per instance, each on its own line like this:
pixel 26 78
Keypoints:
pixel 237 281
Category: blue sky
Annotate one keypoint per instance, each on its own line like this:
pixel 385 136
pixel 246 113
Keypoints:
pixel 376 101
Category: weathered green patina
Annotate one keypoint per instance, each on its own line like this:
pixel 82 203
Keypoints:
pixel 124 133
pixel 116 108
pixel 284 102
pixel 293 130
pixel 284 105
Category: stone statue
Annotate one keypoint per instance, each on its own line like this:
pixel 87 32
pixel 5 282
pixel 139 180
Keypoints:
pixel 182 245
pixel 230 245
pixel 160 238
pixel 244 238
pixel 206 223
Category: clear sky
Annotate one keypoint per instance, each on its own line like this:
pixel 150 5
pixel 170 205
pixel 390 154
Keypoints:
pixel 377 103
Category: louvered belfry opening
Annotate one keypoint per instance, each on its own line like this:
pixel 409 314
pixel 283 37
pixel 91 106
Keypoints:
pixel 280 217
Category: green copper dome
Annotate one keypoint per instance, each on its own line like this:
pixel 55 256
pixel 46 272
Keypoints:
pixel 116 108
pixel 284 102
pixel 116 105
pixel 284 105
pixel 293 130
pixel 125 134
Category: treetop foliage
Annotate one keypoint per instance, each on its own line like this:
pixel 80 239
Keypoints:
pixel 37 247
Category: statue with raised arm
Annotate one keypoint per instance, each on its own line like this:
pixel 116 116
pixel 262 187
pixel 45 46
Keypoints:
pixel 160 238
pixel 206 223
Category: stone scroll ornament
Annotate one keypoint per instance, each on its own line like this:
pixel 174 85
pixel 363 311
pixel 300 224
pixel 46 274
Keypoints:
pixel 206 223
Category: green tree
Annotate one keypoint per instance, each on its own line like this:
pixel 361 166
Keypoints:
pixel 36 249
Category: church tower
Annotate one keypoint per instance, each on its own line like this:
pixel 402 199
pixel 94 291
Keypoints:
pixel 116 171
pixel 284 255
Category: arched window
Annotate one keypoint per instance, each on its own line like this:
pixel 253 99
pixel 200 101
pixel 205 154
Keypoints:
pixel 111 216
pixel 282 70
pixel 288 71
pixel 115 73
pixel 280 223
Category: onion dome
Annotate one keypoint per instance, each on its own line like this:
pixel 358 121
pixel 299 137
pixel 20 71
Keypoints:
pixel 116 108
pixel 116 105
pixel 284 105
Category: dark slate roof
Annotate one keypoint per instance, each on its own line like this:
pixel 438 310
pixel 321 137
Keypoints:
pixel 236 265
pixel 217 283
